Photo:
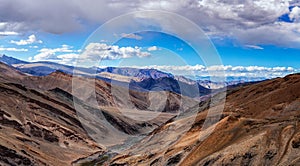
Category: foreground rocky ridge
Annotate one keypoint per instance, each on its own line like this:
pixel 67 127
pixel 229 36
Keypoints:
pixel 39 127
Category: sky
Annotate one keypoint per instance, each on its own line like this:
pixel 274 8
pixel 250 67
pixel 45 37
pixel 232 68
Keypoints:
pixel 256 38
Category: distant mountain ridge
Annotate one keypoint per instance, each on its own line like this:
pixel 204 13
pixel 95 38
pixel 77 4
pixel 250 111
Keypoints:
pixel 10 60
pixel 43 68
pixel 138 79
pixel 119 74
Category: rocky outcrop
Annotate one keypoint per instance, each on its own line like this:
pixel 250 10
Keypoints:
pixel 39 127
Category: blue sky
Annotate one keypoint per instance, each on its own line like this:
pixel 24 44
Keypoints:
pixel 267 38
pixel 231 54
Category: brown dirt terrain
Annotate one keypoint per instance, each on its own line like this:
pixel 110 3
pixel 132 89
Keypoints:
pixel 39 124
pixel 38 127
pixel 259 126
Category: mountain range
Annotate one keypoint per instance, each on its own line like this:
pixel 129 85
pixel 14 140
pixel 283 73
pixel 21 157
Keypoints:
pixel 118 74
pixel 259 126
pixel 40 125
pixel 39 121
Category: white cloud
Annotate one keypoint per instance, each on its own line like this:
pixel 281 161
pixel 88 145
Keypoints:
pixel 51 53
pixel 180 49
pixel 9 29
pixel 295 14
pixel 131 36
pixel 8 33
pixel 153 48
pixel 31 39
pixel 94 51
pixel 254 47
pixel 13 49
pixel 68 56
pixel 103 51
pixel 244 21
pixel 234 71
pixel 68 59
pixel 279 33
pixel 34 47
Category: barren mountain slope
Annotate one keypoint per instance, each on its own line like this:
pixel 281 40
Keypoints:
pixel 9 73
pixel 119 96
pixel 39 124
pixel 259 126
pixel 40 128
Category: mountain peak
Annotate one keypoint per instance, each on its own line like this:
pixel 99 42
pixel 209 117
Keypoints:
pixel 10 60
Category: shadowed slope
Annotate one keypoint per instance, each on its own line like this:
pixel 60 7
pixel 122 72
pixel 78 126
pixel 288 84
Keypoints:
pixel 39 124
pixel 259 126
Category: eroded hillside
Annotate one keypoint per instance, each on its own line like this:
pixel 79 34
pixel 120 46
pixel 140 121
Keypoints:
pixel 259 126
pixel 39 124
